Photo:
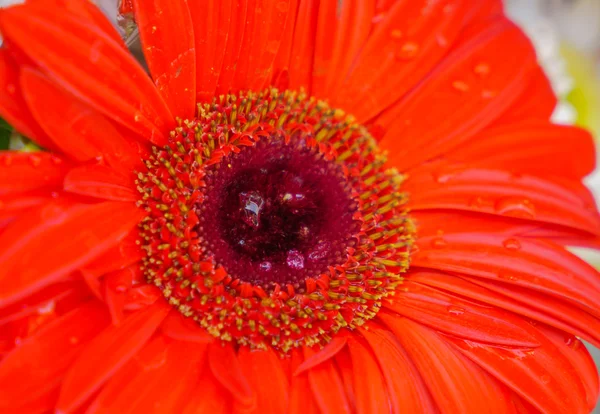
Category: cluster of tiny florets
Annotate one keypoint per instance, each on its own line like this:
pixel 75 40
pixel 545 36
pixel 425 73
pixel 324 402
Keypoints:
pixel 309 310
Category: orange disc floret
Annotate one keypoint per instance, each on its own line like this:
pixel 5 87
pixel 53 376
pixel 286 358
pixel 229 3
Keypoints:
pixel 273 220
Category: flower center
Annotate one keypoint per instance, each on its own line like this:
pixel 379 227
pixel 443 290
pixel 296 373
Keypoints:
pixel 272 221
pixel 277 213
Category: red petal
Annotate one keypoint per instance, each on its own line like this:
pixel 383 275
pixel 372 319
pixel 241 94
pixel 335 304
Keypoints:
pixel 265 20
pixel 460 317
pixel 455 383
pixel 352 31
pixel 237 25
pixel 483 190
pixel 473 86
pixel 282 60
pixel 163 387
pixel 46 245
pixel 12 105
pixel 404 47
pixel 301 397
pixel 542 376
pixel 369 385
pixel 106 354
pixel 268 380
pixel 208 397
pixel 48 297
pixel 531 145
pixel 87 11
pixel 327 21
pixel 141 296
pixel 90 64
pixel 327 352
pixel 537 101
pixel 51 106
pixel 170 53
pixel 532 264
pixel 20 171
pixel 179 327
pixel 101 182
pixel 122 255
pixel 211 20
pixel 115 288
pixel 579 358
pixel 225 366
pixel 327 387
pixel 86 134
pixel 38 364
pixel 530 304
pixel 406 390
pixel 15 205
pixel 303 45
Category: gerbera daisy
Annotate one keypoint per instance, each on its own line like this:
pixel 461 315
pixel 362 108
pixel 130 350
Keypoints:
pixel 308 206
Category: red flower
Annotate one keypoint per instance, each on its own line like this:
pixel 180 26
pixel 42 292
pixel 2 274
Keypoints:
pixel 213 239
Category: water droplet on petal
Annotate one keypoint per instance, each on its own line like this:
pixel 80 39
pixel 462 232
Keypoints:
pixel 441 40
pixel 487 94
pixel 56 160
pixel 47 308
pixel 408 51
pixel 455 310
pixel 482 69
pixel 476 203
pixel 282 6
pixel 515 207
pixel 34 160
pixel 396 34
pixel 545 379
pixel 438 243
pixel 295 260
pixel 460 86
pixel 7 159
pixel 512 244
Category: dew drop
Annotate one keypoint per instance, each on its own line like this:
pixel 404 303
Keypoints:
pixel 408 51
pixel 396 34
pixel 272 46
pixel 487 94
pixel 455 310
pixel 460 86
pixel 265 266
pixel 7 160
pixel 95 52
pixel 569 340
pixel 47 308
pixel 438 243
pixel 252 203
pixel 282 6
pixel 56 160
pixel 476 203
pixel 545 379
pixel 482 69
pixel 512 244
pixel 34 160
pixel 295 260
pixel 441 40
pixel 515 207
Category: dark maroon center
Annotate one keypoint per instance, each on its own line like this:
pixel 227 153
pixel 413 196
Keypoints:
pixel 276 213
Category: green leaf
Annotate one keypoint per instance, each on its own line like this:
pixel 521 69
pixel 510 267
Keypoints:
pixel 5 131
